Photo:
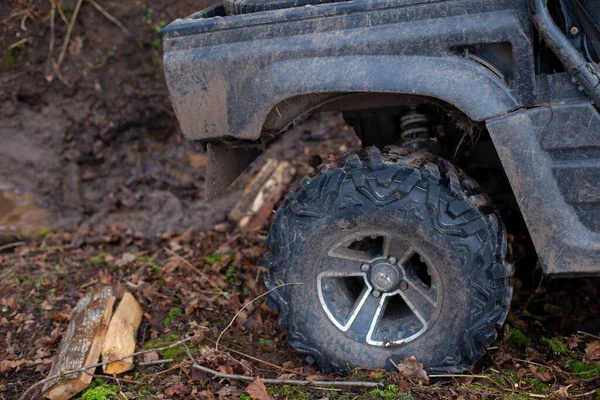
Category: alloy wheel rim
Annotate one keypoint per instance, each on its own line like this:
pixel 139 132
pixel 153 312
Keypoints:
pixel 379 289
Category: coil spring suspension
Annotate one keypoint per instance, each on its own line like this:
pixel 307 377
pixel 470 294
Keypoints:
pixel 415 129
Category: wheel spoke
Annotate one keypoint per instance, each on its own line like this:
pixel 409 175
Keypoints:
pixel 400 249
pixel 336 266
pixel 367 316
pixel 419 300
pixel 362 248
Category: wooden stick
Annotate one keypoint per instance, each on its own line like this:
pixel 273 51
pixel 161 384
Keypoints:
pixel 288 381
pixel 155 362
pixel 110 17
pixel 68 35
pixel 11 245
pixel 291 371
pixel 588 334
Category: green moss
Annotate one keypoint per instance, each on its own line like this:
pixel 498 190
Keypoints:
pixel 9 59
pixel 378 376
pixel 176 353
pixel 162 341
pixel 174 313
pixel 518 338
pixel 99 259
pixel 537 384
pixel 99 390
pixel 213 258
pixel 557 346
pixel 288 392
pixel 149 260
pixel 245 396
pixel 391 392
pixel 585 370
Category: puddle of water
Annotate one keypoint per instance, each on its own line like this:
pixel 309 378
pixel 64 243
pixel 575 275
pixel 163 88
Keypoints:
pixel 20 213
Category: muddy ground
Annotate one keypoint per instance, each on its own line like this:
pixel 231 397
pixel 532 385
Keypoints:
pixel 98 187
pixel 98 142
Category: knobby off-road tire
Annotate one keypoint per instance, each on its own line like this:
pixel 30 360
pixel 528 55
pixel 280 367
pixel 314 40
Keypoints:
pixel 416 200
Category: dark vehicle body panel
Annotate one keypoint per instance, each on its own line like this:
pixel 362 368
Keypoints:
pixel 231 78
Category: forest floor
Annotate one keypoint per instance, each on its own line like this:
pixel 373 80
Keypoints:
pixel 98 187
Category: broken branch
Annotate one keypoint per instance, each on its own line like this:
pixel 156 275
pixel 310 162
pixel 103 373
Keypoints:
pixel 287 381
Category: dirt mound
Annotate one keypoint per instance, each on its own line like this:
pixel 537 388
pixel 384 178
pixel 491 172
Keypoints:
pixel 95 140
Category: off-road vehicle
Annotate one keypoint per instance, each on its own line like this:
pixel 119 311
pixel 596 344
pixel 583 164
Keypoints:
pixel 400 252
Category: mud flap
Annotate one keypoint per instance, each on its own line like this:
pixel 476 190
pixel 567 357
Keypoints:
pixel 224 165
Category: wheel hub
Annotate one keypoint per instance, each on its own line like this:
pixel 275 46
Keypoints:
pixel 379 289
pixel 384 276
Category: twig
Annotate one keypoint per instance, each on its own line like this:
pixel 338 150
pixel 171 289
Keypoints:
pixel 114 379
pixel 176 366
pixel 189 353
pixel 90 283
pixel 196 270
pixel 110 17
pixel 62 14
pixel 287 381
pixel 460 376
pixel 52 17
pixel 11 245
pixel 11 77
pixel 247 304
pixel 588 334
pixel 68 35
pixel 20 42
pixel 155 362
pixel 584 394
pixel 291 371
pixel 83 369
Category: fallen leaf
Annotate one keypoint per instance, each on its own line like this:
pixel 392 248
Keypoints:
pixel 573 342
pixel 125 259
pixel 593 350
pixel 258 391
pixel 151 356
pixel 542 376
pixel 7 365
pixel 561 394
pixel 411 368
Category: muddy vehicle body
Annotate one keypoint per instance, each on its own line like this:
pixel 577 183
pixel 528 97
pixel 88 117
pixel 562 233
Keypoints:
pixel 399 250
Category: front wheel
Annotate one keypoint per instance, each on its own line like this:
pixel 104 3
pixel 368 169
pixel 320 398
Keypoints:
pixel 396 254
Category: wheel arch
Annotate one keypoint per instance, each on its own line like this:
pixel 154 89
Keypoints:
pixel 466 85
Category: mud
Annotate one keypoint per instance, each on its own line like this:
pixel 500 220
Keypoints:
pixel 100 144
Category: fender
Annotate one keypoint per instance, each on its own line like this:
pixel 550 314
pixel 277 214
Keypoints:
pixel 223 83
pixel 550 155
pixel 470 87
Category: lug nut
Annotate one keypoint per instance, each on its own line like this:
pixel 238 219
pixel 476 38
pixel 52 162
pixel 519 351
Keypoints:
pixel 403 285
pixel 376 293
pixel 365 267
pixel 393 260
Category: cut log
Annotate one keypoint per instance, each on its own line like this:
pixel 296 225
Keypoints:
pixel 261 194
pixel 120 338
pixel 81 344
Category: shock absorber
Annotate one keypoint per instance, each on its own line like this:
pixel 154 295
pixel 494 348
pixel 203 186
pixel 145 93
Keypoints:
pixel 415 129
